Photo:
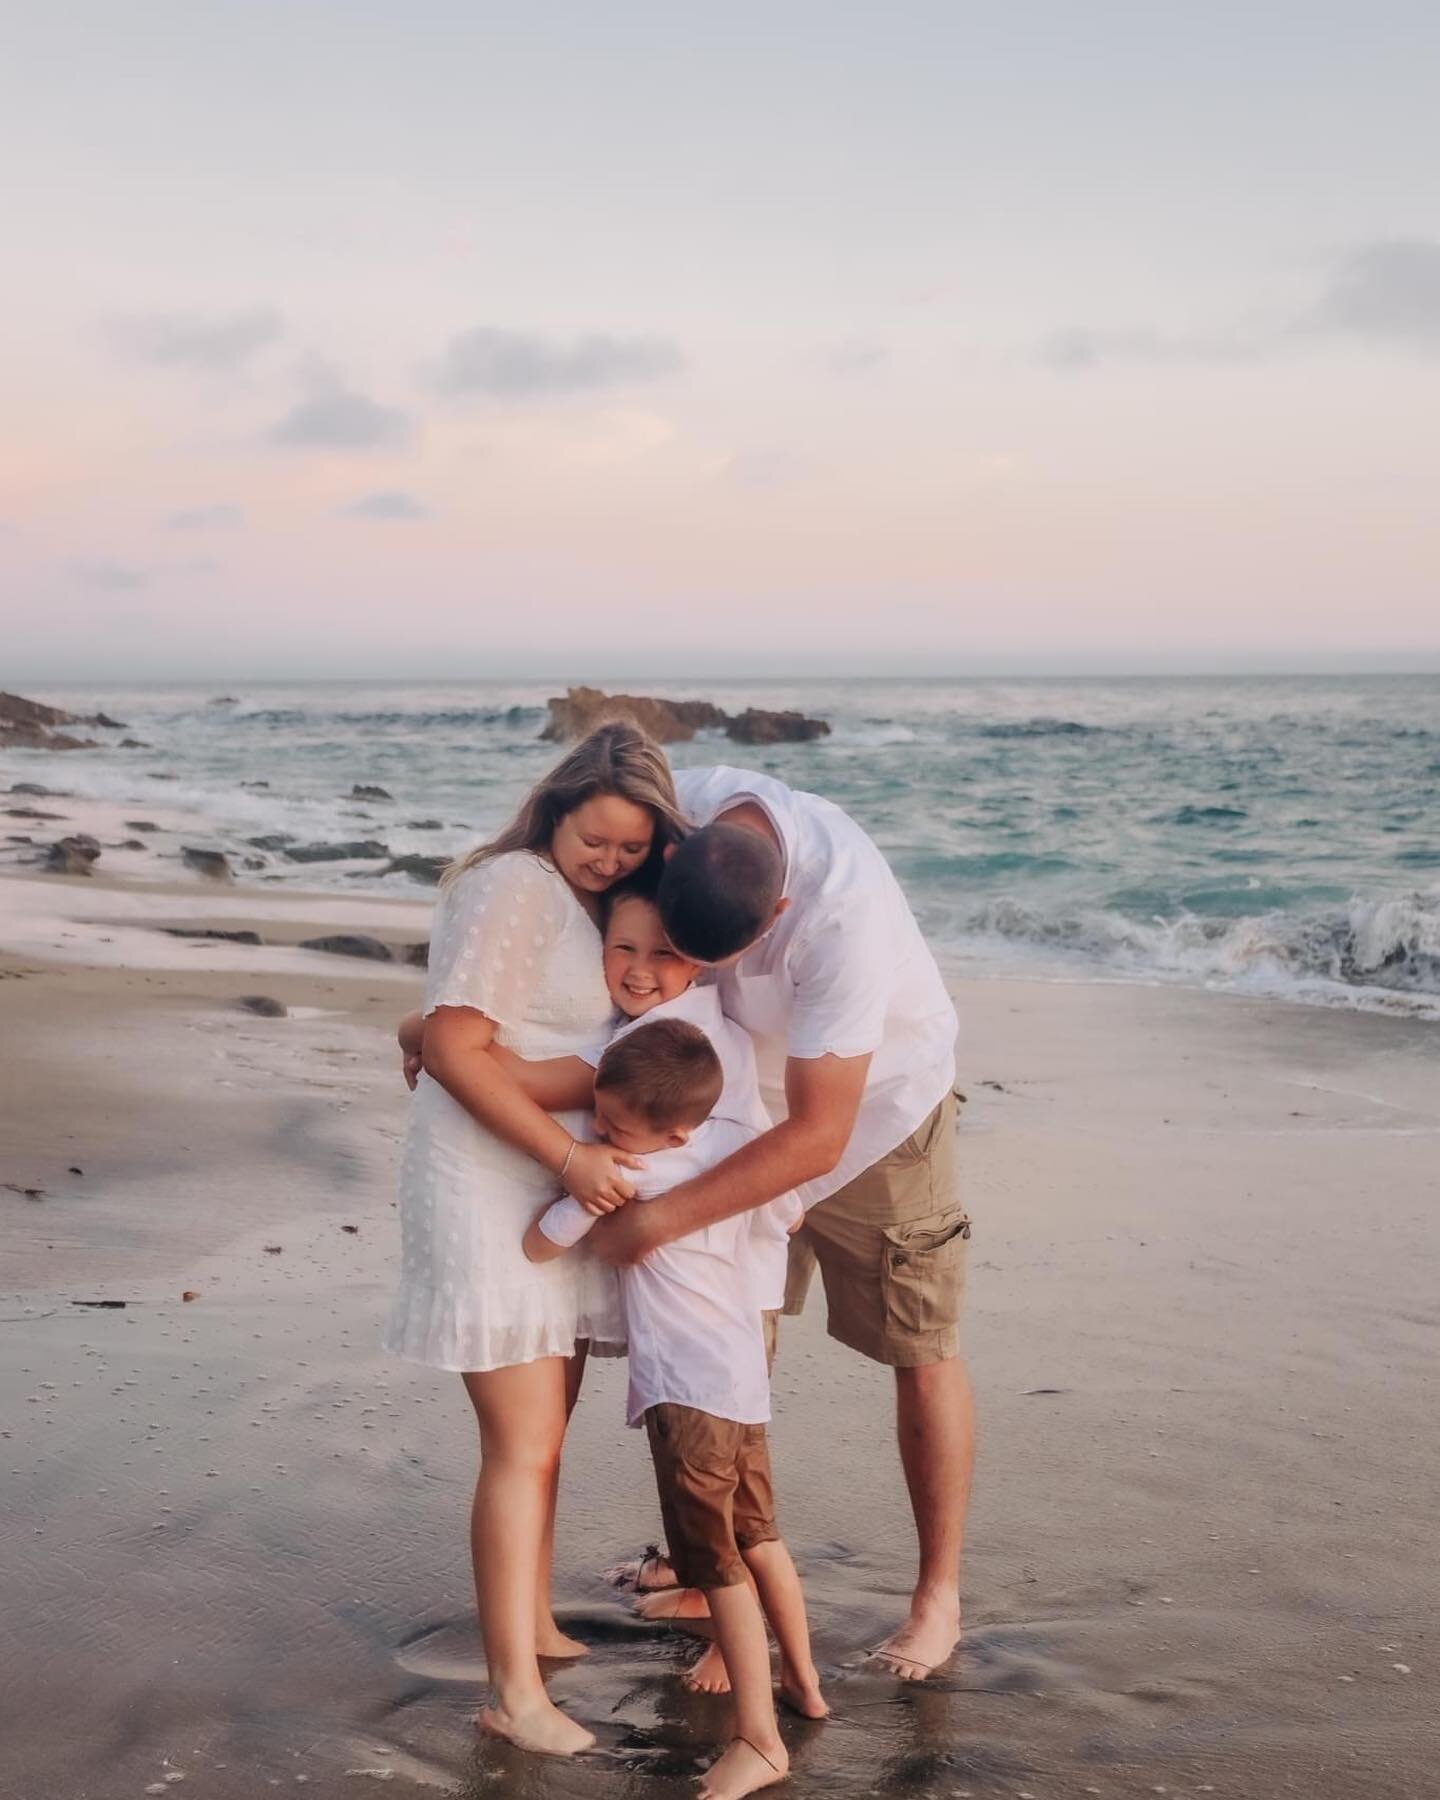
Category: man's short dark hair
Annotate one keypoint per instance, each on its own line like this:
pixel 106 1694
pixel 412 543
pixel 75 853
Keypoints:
pixel 719 891
pixel 667 1071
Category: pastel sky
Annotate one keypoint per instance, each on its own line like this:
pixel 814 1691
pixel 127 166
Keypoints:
pixel 454 338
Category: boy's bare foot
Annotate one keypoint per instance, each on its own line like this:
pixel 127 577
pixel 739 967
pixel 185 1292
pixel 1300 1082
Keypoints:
pixel 743 1769
pixel 708 1675
pixel 646 1575
pixel 801 1693
pixel 673 1603
pixel 923 1642
pixel 558 1645
pixel 541 1727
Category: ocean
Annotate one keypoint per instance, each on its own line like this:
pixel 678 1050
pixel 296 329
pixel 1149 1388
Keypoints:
pixel 1273 835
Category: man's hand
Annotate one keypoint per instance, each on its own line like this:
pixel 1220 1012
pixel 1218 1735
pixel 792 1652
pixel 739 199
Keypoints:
pixel 628 1236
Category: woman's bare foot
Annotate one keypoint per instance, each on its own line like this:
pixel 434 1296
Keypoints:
pixel 801 1693
pixel 541 1727
pixel 744 1768
pixel 708 1675
pixel 558 1645
pixel 673 1603
pixel 923 1642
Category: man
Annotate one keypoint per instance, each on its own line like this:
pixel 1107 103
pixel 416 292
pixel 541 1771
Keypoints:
pixel 816 951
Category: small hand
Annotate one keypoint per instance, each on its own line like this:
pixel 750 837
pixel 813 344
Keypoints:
pixel 627 1237
pixel 596 1177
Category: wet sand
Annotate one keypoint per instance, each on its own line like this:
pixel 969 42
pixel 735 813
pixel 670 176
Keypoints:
pixel 1202 1322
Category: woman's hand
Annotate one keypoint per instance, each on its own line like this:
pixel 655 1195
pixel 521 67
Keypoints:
pixel 411 1036
pixel 595 1176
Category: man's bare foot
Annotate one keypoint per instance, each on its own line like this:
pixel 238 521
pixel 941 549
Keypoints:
pixel 923 1642
pixel 541 1727
pixel 673 1603
pixel 708 1675
pixel 744 1768
pixel 801 1693
pixel 558 1645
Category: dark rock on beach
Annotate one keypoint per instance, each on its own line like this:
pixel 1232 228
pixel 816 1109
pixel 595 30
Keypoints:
pixel 134 744
pixel 674 721
pixel 274 840
pixel 213 863
pixel 417 955
pixel 265 1005
pixel 349 852
pixel 39 789
pixel 224 937
pixel 31 812
pixel 141 825
pixel 350 944
pixel 361 791
pixel 75 855
pixel 424 824
pixel 428 869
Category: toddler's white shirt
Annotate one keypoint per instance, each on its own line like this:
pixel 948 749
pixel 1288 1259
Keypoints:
pixel 740 1102
pixel 692 1314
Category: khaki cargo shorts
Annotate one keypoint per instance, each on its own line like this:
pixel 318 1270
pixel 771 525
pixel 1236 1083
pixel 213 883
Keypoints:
pixel 716 1495
pixel 891 1246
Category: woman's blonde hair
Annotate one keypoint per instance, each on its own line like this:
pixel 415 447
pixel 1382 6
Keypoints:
pixel 617 758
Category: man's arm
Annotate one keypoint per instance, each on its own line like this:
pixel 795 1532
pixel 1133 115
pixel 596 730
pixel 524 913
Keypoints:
pixel 823 1094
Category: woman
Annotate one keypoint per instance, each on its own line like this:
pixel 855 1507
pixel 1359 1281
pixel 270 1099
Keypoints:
pixel 515 960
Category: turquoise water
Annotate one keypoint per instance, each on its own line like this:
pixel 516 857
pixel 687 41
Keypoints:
pixel 1272 834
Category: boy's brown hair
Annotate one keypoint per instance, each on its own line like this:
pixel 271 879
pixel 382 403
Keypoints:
pixel 667 1071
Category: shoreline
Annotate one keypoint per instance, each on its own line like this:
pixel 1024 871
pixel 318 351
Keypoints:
pixel 1201 1321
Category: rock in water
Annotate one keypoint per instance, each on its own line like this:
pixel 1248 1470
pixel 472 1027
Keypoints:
pixel 674 721
pixel 263 1004
pixel 667 721
pixel 212 863
pixel 428 869
pixel 755 726
pixel 311 853
pixel 361 791
pixel 350 944
pixel 75 855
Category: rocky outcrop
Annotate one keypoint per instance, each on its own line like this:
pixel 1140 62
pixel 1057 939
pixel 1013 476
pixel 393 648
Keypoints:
pixel 363 791
pixel 75 855
pixel 755 726
pixel 265 1005
pixel 667 721
pixel 674 721
pixel 31 725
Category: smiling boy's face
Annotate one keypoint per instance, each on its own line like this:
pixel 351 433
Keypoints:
pixel 641 970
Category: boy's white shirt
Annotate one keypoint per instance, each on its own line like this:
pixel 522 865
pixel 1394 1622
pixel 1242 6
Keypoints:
pixel 843 971
pixel 692 1308
pixel 740 1102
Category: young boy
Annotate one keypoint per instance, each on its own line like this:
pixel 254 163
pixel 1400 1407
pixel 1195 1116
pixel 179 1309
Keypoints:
pixel 699 1383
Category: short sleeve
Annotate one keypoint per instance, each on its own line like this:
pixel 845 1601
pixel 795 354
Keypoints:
pixel 566 1222
pixel 497 923
pixel 842 984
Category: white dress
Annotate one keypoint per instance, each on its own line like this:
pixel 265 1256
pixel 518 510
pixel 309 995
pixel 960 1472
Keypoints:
pixel 510 940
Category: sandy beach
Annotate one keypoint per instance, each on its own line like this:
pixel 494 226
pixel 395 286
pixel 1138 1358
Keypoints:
pixel 1201 1320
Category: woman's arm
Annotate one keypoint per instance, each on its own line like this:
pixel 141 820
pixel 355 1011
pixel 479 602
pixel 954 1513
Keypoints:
pixel 456 1038
pixel 559 1084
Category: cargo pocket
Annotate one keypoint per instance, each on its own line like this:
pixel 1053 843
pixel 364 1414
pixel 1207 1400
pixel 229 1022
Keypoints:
pixel 923 1275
